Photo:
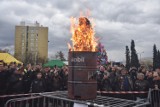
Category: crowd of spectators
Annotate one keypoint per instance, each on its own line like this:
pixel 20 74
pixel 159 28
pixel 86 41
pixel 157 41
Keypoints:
pixel 17 79
pixel 118 78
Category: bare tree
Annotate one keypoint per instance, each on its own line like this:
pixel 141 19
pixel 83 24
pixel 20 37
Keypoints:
pixel 60 55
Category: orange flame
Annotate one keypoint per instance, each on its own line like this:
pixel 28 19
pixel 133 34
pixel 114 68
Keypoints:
pixel 83 38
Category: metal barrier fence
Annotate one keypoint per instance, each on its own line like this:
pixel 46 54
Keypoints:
pixel 155 98
pixel 5 98
pixel 37 101
pixel 27 100
pixel 129 95
pixel 100 101
pixel 33 101
pixel 60 99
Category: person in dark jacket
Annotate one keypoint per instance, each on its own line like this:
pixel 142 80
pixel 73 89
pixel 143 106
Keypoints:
pixel 61 75
pixel 156 80
pixel 156 92
pixel 124 81
pixel 133 73
pixel 16 83
pixel 106 82
pixel 66 80
pixel 3 78
pixel 48 79
pixel 38 85
pixel 27 79
pixel 64 77
pixel 149 78
pixel 56 79
pixel 3 82
pixel 100 75
pixel 140 83
pixel 113 77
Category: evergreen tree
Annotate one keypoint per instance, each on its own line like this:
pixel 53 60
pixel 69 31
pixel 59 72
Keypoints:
pixel 127 58
pixel 154 57
pixel 134 56
pixel 158 59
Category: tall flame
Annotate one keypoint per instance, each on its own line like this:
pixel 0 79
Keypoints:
pixel 83 38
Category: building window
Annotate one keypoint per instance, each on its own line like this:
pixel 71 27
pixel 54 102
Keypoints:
pixel 22 40
pixel 32 49
pixel 22 50
pixel 36 49
pixel 32 44
pixel 31 31
pixel 36 44
pixel 23 36
pixel 24 30
pixel 32 40
pixel 22 44
pixel 32 35
pixel 36 31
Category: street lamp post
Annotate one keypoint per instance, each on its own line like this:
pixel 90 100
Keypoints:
pixel 140 54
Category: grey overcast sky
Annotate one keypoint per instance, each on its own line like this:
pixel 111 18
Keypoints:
pixel 117 22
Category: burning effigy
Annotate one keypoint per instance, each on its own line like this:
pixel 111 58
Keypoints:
pixel 82 60
pixel 83 38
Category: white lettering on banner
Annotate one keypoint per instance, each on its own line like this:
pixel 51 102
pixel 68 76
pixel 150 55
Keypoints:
pixel 78 59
